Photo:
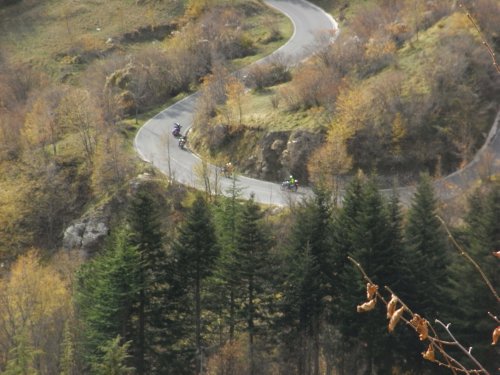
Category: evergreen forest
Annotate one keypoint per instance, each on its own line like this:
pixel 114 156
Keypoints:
pixel 217 285
pixel 109 267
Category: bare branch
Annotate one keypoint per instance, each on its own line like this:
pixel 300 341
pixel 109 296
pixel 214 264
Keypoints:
pixel 463 253
pixel 494 317
pixel 485 43
pixel 438 345
pixel 462 348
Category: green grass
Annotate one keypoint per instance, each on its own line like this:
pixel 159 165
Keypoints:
pixel 258 111
pixel 259 33
pixel 411 58
pixel 38 32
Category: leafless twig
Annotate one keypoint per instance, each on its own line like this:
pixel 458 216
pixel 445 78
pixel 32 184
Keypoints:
pixel 467 353
pixel 469 258
pixel 440 346
pixel 485 43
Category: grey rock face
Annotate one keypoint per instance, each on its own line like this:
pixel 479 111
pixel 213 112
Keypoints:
pixel 73 236
pixel 299 148
pixel 280 154
pixel 86 235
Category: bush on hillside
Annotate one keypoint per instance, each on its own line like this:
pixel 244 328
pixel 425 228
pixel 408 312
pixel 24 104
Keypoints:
pixel 269 74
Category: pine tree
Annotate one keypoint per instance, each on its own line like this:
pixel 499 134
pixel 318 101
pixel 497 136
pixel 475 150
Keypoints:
pixel 68 360
pixel 347 281
pixel 408 349
pixel 113 361
pixel 196 252
pixel 22 357
pixel 249 265
pixel 309 278
pixel 146 236
pixel 395 222
pixel 106 293
pixel 426 254
pixel 227 217
pixel 472 297
pixel 365 230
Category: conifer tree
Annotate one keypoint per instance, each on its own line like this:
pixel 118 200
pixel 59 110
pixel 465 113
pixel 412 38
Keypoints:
pixel 227 215
pixel 471 296
pixel 365 231
pixel 309 279
pixel 196 252
pixel 113 361
pixel 407 350
pixel 68 357
pixel 250 262
pixel 106 293
pixel 395 222
pixel 22 357
pixel 146 236
pixel 426 254
pixel 345 224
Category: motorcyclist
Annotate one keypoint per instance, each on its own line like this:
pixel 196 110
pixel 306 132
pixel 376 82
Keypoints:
pixel 177 129
pixel 182 142
pixel 292 181
pixel 228 168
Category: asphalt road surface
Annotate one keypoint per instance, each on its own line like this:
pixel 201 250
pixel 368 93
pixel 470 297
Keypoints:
pixel 313 27
pixel 155 143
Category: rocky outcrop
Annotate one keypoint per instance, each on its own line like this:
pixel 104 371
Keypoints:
pixel 87 234
pixel 269 160
pixel 299 148
pixel 279 154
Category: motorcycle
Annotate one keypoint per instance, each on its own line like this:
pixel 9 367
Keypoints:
pixel 286 185
pixel 227 170
pixel 182 143
pixel 176 132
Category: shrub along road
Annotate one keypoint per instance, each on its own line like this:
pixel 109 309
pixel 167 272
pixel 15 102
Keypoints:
pixel 155 143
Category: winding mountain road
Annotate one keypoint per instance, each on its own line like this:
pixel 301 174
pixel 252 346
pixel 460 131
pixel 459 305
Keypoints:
pixel 155 144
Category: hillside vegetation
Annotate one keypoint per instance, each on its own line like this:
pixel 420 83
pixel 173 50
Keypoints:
pixel 74 80
pixel 406 87
pixel 195 283
pixel 191 284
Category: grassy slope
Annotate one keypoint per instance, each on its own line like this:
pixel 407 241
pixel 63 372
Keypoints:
pixel 411 60
pixel 36 31
pixel 258 32
pixel 260 112
pixel 41 33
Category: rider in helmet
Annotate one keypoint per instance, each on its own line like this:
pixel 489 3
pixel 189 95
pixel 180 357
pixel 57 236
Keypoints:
pixel 177 129
pixel 291 181
pixel 228 168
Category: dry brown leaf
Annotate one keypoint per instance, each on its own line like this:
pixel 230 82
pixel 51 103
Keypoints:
pixel 391 306
pixel 420 325
pixel 395 318
pixel 371 289
pixel 496 254
pixel 429 354
pixel 367 306
pixel 496 335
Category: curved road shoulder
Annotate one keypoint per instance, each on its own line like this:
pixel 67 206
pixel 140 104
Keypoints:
pixel 155 145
